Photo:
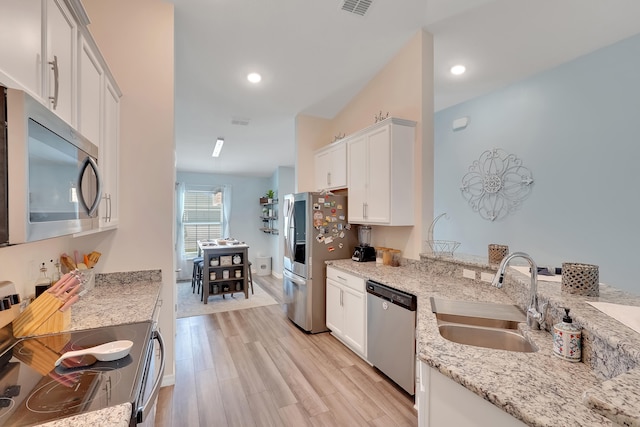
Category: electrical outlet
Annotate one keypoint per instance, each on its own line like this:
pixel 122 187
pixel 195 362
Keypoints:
pixel 486 277
pixel 469 274
pixel 33 269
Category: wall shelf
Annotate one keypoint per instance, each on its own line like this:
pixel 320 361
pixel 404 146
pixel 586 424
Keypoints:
pixel 269 216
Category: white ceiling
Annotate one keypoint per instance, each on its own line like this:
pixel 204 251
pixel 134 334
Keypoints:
pixel 314 58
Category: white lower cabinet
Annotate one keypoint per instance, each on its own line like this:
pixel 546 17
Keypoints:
pixel 346 309
pixel 443 402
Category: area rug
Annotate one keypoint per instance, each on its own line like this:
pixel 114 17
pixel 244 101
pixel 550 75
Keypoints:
pixel 189 303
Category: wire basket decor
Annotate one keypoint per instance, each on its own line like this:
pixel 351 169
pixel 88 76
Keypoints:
pixel 441 247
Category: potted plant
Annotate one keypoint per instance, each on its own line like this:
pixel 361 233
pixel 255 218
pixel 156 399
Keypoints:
pixel 270 196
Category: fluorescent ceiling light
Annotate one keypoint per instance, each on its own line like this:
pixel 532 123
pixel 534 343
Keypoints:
pixel 218 148
pixel 254 77
pixel 458 69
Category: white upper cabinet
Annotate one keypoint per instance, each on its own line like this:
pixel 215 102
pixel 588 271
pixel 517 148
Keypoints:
pixel 90 93
pixel 331 166
pixel 61 35
pixel 109 149
pixel 21 49
pixel 50 53
pixel 381 173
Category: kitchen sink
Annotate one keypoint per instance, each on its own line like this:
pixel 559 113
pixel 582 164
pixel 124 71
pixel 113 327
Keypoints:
pixel 481 324
pixel 498 339
pixel 478 321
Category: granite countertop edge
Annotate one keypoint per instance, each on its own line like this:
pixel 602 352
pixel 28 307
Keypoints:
pixel 537 388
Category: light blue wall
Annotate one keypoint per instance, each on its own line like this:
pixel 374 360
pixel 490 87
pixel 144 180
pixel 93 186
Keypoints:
pixel 245 206
pixel 575 127
pixel 283 181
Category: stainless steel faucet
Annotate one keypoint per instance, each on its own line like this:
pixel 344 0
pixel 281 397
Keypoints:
pixel 535 312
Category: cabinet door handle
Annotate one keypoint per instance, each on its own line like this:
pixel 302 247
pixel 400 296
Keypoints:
pixel 341 294
pixel 328 178
pixel 54 67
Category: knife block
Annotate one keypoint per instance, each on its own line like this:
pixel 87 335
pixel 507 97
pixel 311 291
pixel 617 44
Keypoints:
pixel 42 316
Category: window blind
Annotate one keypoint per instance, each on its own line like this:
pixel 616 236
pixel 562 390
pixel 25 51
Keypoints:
pixel 201 218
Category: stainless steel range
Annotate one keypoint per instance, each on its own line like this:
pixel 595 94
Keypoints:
pixel 34 391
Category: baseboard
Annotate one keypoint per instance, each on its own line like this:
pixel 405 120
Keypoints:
pixel 276 275
pixel 168 380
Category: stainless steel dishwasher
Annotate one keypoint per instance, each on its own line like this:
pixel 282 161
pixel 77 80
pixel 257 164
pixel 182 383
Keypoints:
pixel 391 333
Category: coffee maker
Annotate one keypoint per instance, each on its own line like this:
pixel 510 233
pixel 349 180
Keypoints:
pixel 364 251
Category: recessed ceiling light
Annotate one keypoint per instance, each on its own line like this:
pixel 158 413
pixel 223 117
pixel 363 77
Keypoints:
pixel 254 77
pixel 217 148
pixel 458 69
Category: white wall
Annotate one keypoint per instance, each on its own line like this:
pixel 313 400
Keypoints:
pixel 283 181
pixel 19 264
pixel 136 39
pixel 574 128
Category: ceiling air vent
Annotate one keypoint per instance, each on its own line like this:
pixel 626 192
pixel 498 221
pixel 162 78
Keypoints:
pixel 359 7
pixel 240 121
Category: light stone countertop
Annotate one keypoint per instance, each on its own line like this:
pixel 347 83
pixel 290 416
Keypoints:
pixel 117 298
pixel 536 388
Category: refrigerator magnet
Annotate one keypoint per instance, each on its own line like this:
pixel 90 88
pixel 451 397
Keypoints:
pixel 320 238
pixel 328 240
pixel 341 218
pixel 339 207
pixel 327 204
pixel 316 206
pixel 333 211
pixel 341 245
pixel 331 249
pixel 347 227
pixel 342 235
pixel 340 226
pixel 320 199
pixel 317 219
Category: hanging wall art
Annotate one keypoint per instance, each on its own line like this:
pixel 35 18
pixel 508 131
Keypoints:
pixel 496 184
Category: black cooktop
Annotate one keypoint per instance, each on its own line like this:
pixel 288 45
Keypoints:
pixel 34 391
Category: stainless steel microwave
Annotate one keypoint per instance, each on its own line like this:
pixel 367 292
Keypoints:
pixel 54 187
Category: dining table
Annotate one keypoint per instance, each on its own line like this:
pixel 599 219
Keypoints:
pixel 226 267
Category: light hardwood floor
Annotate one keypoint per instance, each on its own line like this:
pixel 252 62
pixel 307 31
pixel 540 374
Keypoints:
pixel 255 367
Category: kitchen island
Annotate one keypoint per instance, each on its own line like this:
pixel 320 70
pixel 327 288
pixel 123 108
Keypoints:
pixel 539 389
pixel 116 299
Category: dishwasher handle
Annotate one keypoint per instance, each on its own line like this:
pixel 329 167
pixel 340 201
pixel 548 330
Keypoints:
pixel 395 296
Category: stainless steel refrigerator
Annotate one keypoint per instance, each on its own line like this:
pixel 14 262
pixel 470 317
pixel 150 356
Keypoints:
pixel 315 230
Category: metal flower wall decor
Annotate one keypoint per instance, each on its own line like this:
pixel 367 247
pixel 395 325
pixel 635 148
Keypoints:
pixel 496 184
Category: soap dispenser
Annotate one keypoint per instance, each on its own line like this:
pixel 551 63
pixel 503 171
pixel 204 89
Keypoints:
pixel 567 339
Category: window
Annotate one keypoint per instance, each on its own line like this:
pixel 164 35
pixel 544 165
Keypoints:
pixel 201 218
